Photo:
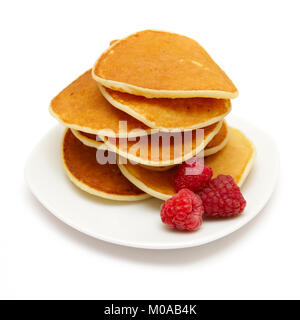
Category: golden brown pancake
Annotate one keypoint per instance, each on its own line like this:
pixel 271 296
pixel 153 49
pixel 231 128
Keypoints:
pixel 157 64
pixel 235 159
pixel 158 184
pixel 219 141
pixel 90 141
pixel 81 106
pixel 85 172
pixel 169 114
pixel 152 150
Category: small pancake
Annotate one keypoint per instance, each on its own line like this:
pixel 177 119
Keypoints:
pixel 152 150
pixel 158 184
pixel 235 159
pixel 169 114
pixel 158 64
pixel 216 144
pixel 85 172
pixel 219 141
pixel 81 106
pixel 90 141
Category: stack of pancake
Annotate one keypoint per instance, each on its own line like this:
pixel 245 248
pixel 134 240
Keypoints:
pixel 149 88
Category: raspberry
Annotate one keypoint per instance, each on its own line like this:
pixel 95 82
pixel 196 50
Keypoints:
pixel 222 198
pixel 192 175
pixel 183 211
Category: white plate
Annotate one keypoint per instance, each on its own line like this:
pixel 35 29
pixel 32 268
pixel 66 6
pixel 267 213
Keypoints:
pixel 138 224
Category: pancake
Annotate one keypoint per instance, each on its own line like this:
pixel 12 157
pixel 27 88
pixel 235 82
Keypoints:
pixel 169 114
pixel 235 159
pixel 157 184
pixel 219 141
pixel 152 150
pixel 90 141
pixel 81 106
pixel 158 64
pixel 85 172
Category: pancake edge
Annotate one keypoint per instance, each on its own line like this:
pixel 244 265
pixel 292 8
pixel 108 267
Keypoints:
pixel 93 191
pixel 141 185
pixel 150 93
pixel 159 169
pixel 250 163
pixel 152 124
pixel 89 142
pixel 213 150
pixel 171 94
pixel 98 145
pixel 166 162
pixel 107 133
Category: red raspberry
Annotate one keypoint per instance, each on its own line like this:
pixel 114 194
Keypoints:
pixel 222 198
pixel 183 211
pixel 192 175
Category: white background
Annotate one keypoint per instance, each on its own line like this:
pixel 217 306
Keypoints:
pixel 47 44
